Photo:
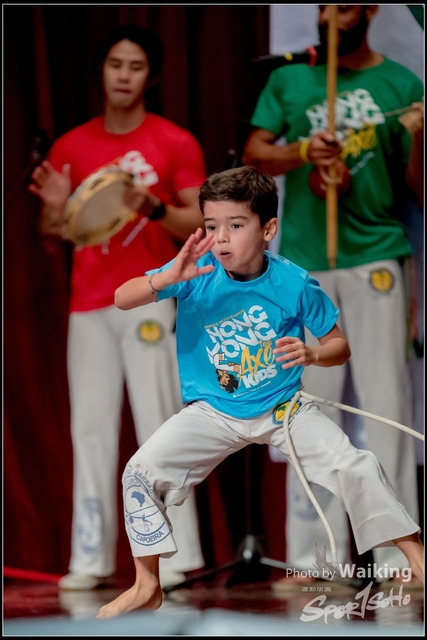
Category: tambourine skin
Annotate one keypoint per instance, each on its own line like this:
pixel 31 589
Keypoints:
pixel 95 211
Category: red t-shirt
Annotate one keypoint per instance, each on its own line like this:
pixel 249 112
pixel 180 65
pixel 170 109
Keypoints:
pixel 165 157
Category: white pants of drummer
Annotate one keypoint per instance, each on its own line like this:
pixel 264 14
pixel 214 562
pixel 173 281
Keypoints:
pixel 107 348
pixel 374 320
pixel 184 450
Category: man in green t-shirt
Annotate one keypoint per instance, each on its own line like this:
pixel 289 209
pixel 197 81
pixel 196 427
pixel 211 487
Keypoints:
pixel 380 163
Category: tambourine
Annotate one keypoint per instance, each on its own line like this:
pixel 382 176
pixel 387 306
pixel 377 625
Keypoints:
pixel 95 211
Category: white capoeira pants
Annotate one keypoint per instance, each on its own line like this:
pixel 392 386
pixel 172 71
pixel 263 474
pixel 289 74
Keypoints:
pixel 373 317
pixel 107 348
pixel 184 450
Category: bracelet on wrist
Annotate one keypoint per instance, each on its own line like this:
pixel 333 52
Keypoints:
pixel 158 212
pixel 154 291
pixel 303 148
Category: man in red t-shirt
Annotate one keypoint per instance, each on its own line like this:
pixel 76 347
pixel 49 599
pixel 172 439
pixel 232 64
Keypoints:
pixel 105 346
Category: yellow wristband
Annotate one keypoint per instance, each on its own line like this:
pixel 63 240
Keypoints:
pixel 303 148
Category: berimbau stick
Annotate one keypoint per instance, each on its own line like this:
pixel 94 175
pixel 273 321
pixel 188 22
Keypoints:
pixel 331 190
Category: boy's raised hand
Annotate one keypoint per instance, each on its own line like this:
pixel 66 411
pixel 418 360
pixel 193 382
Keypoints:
pixel 184 266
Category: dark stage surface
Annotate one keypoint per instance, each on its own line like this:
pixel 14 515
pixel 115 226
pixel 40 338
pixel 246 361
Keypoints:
pixel 218 608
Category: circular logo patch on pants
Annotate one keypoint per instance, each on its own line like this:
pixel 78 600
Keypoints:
pixel 150 332
pixel 280 409
pixel 381 280
pixel 145 522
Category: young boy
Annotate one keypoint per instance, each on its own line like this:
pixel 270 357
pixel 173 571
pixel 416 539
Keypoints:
pixel 241 352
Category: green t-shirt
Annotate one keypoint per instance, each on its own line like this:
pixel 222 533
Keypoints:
pixel 375 149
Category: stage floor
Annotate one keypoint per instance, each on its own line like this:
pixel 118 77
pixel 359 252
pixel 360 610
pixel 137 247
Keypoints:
pixel 218 608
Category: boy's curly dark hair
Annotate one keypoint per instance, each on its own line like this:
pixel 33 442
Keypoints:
pixel 258 190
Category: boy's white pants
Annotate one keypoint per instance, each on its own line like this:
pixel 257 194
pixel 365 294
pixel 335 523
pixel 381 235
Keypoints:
pixel 373 319
pixel 184 450
pixel 106 348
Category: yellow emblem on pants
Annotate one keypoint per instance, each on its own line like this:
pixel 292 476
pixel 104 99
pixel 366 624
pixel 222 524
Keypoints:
pixel 150 331
pixel 382 280
pixel 280 410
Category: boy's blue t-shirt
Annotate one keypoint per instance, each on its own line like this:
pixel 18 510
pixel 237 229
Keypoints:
pixel 227 329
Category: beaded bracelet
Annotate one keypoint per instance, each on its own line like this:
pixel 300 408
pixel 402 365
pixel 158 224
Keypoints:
pixel 303 148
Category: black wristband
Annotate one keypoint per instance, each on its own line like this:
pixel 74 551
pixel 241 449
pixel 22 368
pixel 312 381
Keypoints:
pixel 159 212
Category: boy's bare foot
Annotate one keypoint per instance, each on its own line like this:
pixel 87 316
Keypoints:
pixel 147 596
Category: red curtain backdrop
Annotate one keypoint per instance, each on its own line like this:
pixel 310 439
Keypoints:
pixel 209 86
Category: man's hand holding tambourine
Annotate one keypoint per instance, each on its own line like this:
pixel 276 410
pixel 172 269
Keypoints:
pixel 139 198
